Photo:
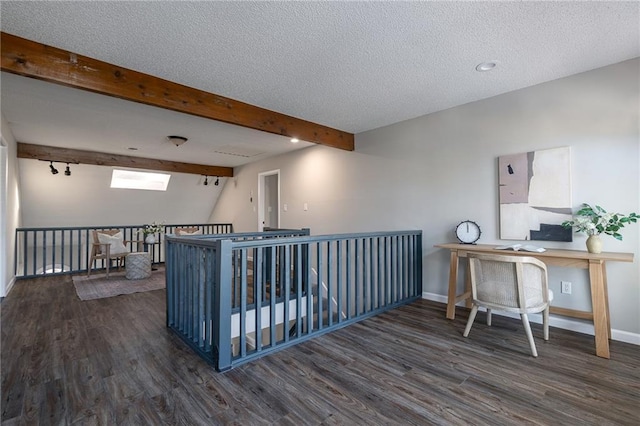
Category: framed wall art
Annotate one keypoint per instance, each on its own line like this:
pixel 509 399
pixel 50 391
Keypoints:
pixel 535 195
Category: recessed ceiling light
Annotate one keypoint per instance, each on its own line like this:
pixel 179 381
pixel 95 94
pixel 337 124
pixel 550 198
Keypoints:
pixel 295 140
pixel 486 66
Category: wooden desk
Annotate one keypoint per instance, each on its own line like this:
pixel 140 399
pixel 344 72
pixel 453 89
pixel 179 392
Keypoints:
pixel 595 263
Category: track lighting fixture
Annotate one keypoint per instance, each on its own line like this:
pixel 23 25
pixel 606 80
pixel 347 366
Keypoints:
pixel 54 171
pixel 206 180
pixel 217 182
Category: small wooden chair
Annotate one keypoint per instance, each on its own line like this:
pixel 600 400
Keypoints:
pixel 103 249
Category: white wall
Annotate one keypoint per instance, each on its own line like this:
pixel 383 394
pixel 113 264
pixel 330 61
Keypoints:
pixel 431 172
pixel 85 198
pixel 10 218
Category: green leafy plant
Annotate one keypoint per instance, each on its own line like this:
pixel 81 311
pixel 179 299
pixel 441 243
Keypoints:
pixel 152 228
pixel 594 220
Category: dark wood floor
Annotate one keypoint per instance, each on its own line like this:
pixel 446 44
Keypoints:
pixel 112 361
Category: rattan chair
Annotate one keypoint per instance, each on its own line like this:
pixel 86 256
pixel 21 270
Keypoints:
pixel 102 248
pixel 516 284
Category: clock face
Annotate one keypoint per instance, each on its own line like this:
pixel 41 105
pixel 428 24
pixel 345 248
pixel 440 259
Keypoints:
pixel 468 232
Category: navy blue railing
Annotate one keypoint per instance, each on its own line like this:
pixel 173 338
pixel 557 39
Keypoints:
pixel 236 298
pixel 65 250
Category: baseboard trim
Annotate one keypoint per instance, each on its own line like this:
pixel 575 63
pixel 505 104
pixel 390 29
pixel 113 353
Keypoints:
pixel 9 287
pixel 555 321
pixel 625 336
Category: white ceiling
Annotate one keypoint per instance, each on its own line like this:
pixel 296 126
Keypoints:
pixel 354 66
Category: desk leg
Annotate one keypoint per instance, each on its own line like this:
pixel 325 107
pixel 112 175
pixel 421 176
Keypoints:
pixel 599 302
pixel 467 284
pixel 606 298
pixel 453 279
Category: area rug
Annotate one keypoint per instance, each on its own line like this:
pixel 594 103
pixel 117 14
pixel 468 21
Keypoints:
pixel 98 286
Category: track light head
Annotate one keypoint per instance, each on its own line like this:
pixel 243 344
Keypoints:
pixel 217 182
pixel 67 172
pixel 54 171
pixel 206 180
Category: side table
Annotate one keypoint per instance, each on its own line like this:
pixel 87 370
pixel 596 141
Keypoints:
pixel 138 265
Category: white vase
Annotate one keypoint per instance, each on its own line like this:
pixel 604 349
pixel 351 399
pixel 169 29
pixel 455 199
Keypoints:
pixel 150 239
pixel 594 244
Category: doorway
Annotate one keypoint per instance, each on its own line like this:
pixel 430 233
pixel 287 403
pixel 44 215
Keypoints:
pixel 3 217
pixel 268 200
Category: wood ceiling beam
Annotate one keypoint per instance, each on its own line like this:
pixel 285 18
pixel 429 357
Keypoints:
pixel 36 60
pixel 76 156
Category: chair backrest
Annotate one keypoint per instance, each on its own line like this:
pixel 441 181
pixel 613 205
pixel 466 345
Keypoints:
pixel 96 239
pixel 516 283
pixel 188 231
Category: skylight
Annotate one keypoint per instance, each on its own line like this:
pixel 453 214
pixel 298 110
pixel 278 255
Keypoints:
pixel 128 179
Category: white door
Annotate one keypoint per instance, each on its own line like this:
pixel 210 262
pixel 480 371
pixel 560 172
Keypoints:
pixel 269 200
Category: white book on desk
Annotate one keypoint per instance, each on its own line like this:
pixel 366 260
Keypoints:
pixel 522 247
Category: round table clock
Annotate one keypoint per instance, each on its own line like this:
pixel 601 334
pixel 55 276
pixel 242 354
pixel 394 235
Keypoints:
pixel 468 232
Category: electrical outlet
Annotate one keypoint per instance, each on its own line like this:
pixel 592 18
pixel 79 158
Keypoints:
pixel 565 287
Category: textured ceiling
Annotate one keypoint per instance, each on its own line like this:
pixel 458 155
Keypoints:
pixel 354 66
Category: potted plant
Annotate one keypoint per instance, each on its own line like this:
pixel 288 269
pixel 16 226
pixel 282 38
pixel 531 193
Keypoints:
pixel 594 220
pixel 150 231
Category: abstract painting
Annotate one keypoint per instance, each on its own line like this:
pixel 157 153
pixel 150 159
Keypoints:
pixel 535 195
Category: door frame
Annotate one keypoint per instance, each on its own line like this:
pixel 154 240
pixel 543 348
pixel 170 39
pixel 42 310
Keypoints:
pixel 261 201
pixel 3 216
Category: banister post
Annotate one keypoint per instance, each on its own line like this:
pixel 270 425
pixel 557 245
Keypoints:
pixel 222 314
pixel 169 279
pixel 419 263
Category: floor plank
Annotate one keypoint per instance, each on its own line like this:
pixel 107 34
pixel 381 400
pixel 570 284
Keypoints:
pixel 113 361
